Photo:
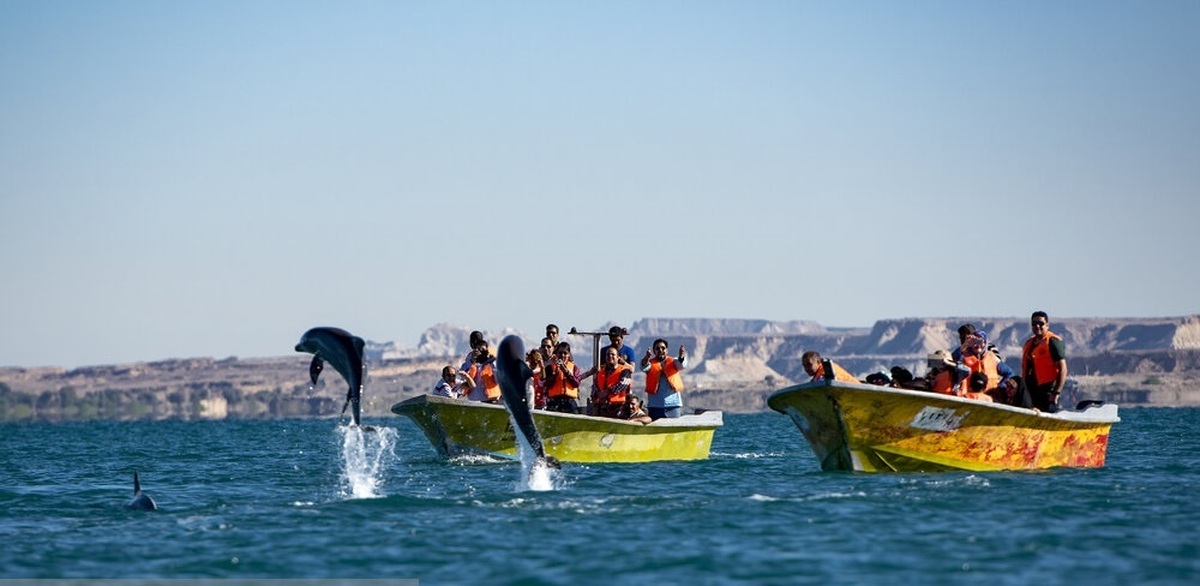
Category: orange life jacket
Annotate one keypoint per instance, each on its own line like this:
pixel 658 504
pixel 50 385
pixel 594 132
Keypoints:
pixel 839 373
pixel 670 367
pixel 562 386
pixel 605 381
pixel 986 365
pixel 1037 351
pixel 943 382
pixel 490 387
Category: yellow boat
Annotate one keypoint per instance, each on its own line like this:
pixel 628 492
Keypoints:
pixel 868 428
pixel 459 427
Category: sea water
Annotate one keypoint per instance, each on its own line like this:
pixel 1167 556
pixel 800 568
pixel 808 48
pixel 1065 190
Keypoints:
pixel 312 499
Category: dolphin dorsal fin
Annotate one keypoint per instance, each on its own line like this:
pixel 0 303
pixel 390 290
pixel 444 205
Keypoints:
pixel 137 485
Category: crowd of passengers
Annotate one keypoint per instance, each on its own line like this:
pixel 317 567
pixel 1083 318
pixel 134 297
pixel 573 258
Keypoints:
pixel 556 379
pixel 975 370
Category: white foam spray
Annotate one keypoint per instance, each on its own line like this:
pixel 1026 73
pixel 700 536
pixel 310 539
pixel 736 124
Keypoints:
pixel 365 456
pixel 535 474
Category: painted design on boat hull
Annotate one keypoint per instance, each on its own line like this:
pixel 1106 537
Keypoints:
pixel 874 429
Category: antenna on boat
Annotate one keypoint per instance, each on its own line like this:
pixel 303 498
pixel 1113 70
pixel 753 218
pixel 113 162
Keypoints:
pixel 595 343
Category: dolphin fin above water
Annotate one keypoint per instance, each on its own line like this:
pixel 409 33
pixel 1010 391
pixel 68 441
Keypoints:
pixel 513 374
pixel 141 501
pixel 344 352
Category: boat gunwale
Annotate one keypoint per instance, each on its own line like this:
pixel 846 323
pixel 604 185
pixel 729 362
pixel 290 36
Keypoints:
pixel 1091 415
pixel 707 419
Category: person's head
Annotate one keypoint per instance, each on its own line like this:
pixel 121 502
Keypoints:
pixel 978 382
pixel 476 338
pixel 939 360
pixel 449 373
pixel 974 345
pixel 964 331
pixel 879 378
pixel 811 361
pixel 901 375
pixel 552 332
pixel 609 357
pixel 659 348
pixel 562 351
pixel 616 335
pixel 1039 322
pixel 534 359
pixel 633 402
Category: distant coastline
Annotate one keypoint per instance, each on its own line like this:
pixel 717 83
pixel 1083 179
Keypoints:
pixel 735 365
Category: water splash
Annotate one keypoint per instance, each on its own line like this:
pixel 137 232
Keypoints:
pixel 365 456
pixel 535 474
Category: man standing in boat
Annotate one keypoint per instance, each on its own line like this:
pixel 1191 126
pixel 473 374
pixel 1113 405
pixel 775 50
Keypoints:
pixel 1044 363
pixel 663 382
pixel 616 337
pixel 813 367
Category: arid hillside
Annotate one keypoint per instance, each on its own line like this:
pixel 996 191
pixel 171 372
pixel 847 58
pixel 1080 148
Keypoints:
pixel 734 364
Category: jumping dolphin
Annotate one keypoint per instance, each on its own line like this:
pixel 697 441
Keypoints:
pixel 141 501
pixel 513 373
pixel 343 351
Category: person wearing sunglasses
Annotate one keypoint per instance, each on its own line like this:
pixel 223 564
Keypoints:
pixel 663 382
pixel 1044 363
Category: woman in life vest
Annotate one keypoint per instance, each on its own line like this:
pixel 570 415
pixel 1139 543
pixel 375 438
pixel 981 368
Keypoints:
pixel 977 357
pixel 663 382
pixel 612 383
pixel 1044 363
pixel 538 367
pixel 562 381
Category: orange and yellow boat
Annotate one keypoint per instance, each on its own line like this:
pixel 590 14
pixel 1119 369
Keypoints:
pixel 869 428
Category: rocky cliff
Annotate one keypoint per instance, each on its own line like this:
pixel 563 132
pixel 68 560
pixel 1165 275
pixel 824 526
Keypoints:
pixel 734 365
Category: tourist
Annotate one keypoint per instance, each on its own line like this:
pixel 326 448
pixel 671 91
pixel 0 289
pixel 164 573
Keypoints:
pixel 945 376
pixel 976 388
pixel 1013 392
pixel 482 371
pixel 562 381
pixel 632 411
pixel 537 368
pixel 616 338
pixel 815 368
pixel 611 385
pixel 976 356
pixel 546 349
pixel 453 384
pixel 552 333
pixel 1044 363
pixel 663 382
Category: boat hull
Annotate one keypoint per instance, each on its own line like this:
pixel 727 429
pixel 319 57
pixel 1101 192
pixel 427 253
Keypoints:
pixel 456 427
pixel 869 428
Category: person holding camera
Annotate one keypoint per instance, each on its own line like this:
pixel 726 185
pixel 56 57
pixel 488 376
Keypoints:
pixel 562 381
pixel 482 372
pixel 453 384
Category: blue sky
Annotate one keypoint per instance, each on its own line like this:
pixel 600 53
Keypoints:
pixel 186 179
